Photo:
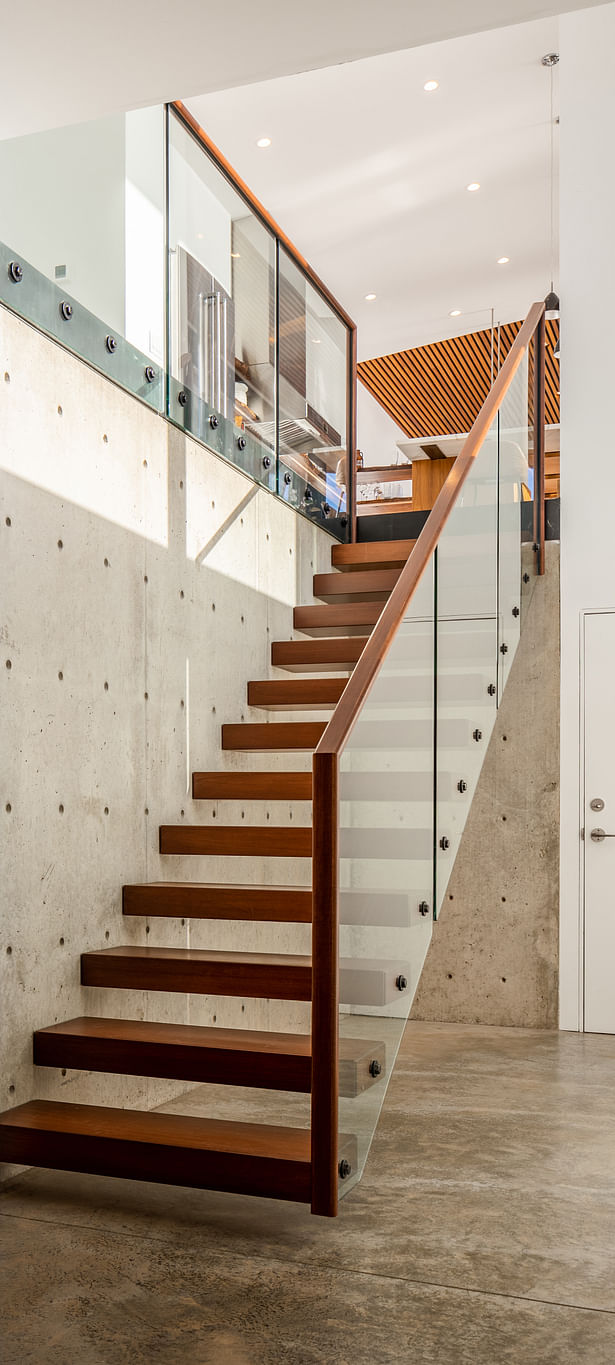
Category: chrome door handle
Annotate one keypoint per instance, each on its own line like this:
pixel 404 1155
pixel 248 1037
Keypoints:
pixel 597 836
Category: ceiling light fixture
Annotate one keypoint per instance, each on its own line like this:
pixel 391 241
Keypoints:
pixel 235 255
pixel 455 313
pixel 473 186
pixel 503 260
pixel 431 85
pixel 370 298
pixel 264 142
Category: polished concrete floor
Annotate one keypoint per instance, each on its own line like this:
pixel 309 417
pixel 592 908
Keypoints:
pixel 483 1233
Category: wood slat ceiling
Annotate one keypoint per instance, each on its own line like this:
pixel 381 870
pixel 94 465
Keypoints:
pixel 438 390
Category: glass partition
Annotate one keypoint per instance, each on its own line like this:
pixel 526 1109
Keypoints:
pixel 313 398
pixel 386 867
pixel 82 242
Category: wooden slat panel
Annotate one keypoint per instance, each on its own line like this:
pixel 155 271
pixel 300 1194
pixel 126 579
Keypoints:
pixel 438 390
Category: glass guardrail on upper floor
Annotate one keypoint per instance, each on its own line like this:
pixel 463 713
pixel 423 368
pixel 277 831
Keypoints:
pixel 130 242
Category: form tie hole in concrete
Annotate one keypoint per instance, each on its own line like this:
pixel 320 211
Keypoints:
pixel 8 808
pixel 106 933
pixel 182 813
pixel 504 738
pixel 7 377
pixel 147 928
pixel 7 521
pixel 503 900
pixel 182 703
pixel 181 592
pixel 243 815
pixel 504 817
pixel 181 483
pixel 213 710
pixel 11 1089
pixel 147 810
pixel 503 980
pixel 214 1018
pixel 61 942
pixel 60 545
pixel 183 922
pixel 9 664
pixel 63 1072
pixel 213 503
pixel 61 808
pixel 450 898
pixel 106 810
pixel 145 578
pixel 106 686
pixel 60 409
pixel 213 814
pixel 213 606
pixel 9 952
pixel 61 676
pixel 106 563
pixel 243 620
pixel 449 975
pixel 145 464
pixel 146 696
pixel 105 439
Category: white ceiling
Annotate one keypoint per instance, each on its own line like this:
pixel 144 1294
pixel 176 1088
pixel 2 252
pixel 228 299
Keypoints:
pixel 68 61
pixel 367 175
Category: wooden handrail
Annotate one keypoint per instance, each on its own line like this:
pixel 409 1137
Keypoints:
pixel 326 761
pixel 354 694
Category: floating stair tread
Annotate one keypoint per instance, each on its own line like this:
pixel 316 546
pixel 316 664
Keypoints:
pixel 283 735
pixel 277 841
pixel 340 618
pixel 376 554
pixel 369 507
pixel 205 900
pixel 220 786
pixel 300 694
pixel 318 656
pixel 245 1057
pixel 199 971
pixel 370 585
pixel 384 473
pixel 172 1149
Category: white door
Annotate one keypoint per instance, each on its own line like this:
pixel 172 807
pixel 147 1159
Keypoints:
pixel 599 820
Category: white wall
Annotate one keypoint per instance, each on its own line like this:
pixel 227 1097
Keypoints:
pixel 587 129
pixel 377 433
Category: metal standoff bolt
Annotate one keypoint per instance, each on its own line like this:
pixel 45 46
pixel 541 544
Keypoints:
pixel 344 1169
pixel 423 908
pixel 515 611
pixel 111 344
pixel 344 522
pixel 150 373
pixel 402 983
pixel 66 310
pixel 491 689
pixel 182 398
pixel 477 735
pixel 241 442
pixel 444 843
pixel 375 1068
pixel 503 649
pixel 462 786
pixel 213 420
pixel 15 272
pixel 326 510
pixel 307 496
pixel 526 578
pixel 266 462
pixel 288 478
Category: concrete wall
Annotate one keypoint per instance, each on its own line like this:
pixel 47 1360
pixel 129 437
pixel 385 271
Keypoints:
pixel 143 580
pixel 493 958
pixel 587 278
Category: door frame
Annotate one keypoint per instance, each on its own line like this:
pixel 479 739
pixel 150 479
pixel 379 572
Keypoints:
pixel 590 611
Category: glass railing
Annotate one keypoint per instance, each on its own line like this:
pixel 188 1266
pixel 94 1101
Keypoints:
pixel 132 243
pixel 404 751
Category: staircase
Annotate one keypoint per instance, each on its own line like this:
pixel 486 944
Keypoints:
pixel 247 1158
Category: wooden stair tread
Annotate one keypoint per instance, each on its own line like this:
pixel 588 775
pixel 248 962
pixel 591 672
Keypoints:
pixel 370 585
pixel 282 735
pixel 376 554
pixel 278 841
pixel 369 507
pixel 318 656
pixel 339 618
pixel 221 786
pixel 300 694
pixel 200 971
pixel 172 1149
pixel 191 1052
pixel 205 900
pixel 384 473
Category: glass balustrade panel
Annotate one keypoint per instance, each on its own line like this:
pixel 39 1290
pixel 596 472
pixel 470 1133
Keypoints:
pixel 385 870
pixel 222 312
pixel 516 556
pixel 82 242
pixel 466 652
pixel 313 401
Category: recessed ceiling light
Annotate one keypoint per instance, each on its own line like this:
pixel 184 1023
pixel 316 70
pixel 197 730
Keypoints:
pixel 236 255
pixel 455 313
pixel 431 85
pixel 503 260
pixel 370 298
pixel 316 341
pixel 264 142
pixel 473 186
pixel 199 236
